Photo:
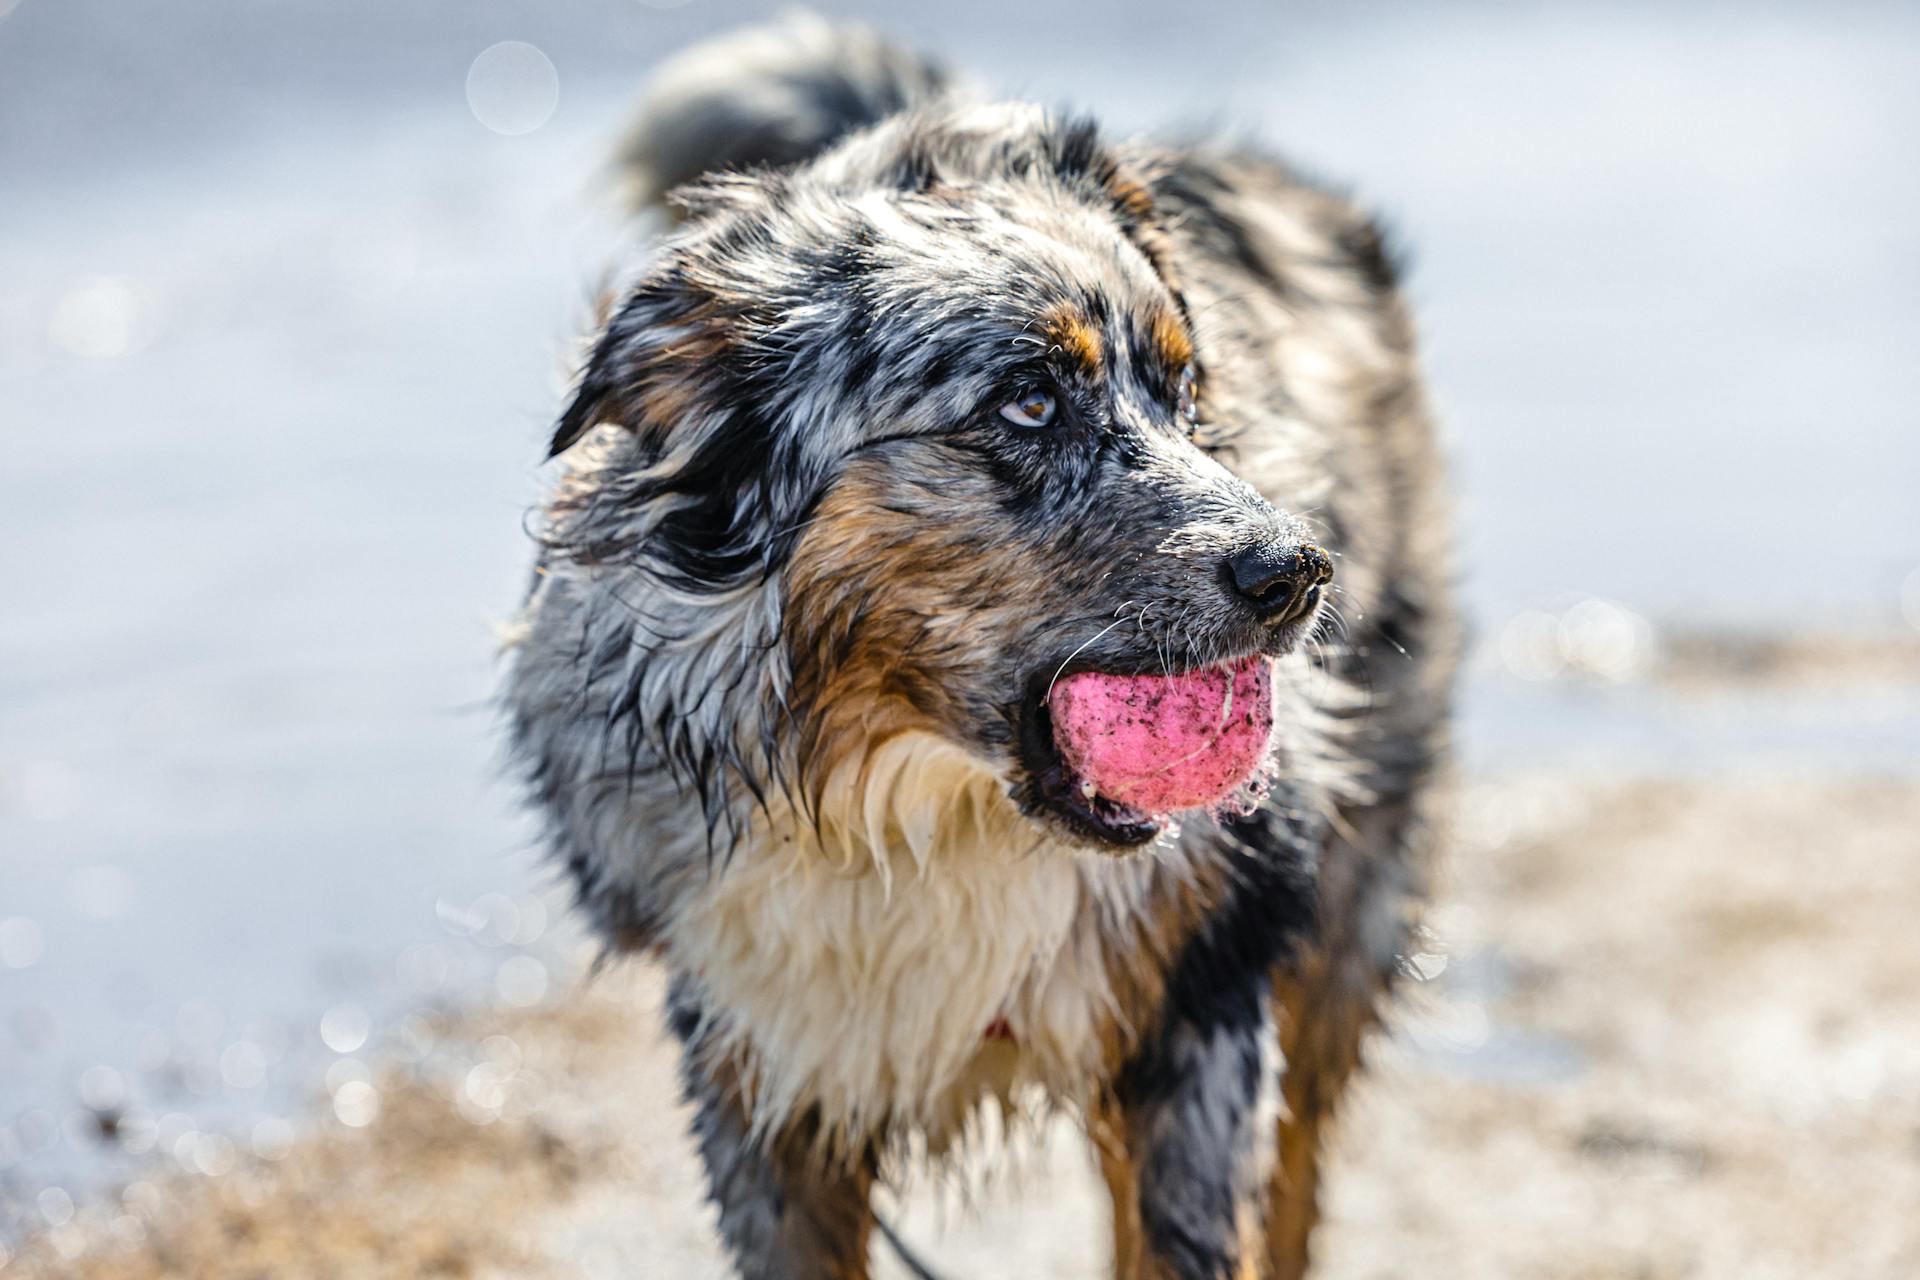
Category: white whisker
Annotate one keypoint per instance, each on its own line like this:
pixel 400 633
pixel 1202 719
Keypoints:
pixel 1077 652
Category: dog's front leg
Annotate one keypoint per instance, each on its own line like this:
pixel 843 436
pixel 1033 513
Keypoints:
pixel 788 1210
pixel 1186 1139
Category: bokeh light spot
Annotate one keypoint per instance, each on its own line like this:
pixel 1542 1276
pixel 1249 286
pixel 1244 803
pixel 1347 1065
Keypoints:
pixel 56 1206
pixel 1530 645
pixel 501 918
pixel 346 1071
pixel 102 1088
pixel 214 1155
pixel 483 1093
pixel 522 981
pixel 1601 641
pixel 512 88
pixel 345 1028
pixel 356 1104
pixel 1606 641
pixel 503 1052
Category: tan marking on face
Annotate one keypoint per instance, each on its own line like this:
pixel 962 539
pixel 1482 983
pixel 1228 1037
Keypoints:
pixel 1069 331
pixel 902 591
pixel 1171 345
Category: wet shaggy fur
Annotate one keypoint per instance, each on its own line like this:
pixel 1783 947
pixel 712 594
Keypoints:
pixel 780 684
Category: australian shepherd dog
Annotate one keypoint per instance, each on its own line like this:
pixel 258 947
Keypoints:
pixel 992 645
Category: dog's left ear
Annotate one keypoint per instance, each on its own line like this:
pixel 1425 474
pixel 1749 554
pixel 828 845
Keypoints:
pixel 640 373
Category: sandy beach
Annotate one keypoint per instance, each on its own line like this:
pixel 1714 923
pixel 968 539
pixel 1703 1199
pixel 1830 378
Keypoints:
pixel 1667 1029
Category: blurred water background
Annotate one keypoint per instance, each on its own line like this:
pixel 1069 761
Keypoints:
pixel 287 295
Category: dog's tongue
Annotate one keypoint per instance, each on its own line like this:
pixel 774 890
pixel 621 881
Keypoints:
pixel 1163 743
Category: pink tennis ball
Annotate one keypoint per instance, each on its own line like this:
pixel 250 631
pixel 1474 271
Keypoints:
pixel 1165 743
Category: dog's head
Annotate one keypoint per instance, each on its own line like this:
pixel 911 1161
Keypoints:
pixel 928 408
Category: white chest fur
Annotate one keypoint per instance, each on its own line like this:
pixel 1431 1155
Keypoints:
pixel 866 972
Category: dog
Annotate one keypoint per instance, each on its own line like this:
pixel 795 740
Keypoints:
pixel 992 643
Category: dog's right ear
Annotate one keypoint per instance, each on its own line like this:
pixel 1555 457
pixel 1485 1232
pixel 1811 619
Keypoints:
pixel 641 372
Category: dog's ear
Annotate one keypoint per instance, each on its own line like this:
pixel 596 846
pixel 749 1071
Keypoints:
pixel 591 402
pixel 680 366
pixel 642 369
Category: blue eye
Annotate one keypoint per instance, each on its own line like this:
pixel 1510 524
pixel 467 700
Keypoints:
pixel 1031 409
pixel 1190 395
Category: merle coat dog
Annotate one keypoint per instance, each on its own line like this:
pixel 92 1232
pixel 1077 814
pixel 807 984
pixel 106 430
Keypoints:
pixel 929 408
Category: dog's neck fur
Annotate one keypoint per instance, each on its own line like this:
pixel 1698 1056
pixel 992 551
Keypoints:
pixel 856 959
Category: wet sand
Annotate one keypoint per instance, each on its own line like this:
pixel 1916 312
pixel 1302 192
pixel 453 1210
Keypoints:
pixel 1667 1029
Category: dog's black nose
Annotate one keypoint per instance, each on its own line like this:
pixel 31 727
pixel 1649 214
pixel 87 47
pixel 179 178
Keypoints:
pixel 1281 582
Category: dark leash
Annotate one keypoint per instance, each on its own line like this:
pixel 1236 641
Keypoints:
pixel 908 1257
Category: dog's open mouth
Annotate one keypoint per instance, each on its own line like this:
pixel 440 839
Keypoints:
pixel 1114 755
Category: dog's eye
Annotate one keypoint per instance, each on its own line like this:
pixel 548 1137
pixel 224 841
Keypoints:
pixel 1190 395
pixel 1031 408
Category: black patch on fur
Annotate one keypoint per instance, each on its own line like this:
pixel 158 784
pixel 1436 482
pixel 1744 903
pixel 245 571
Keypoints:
pixel 1152 373
pixel 940 368
pixel 717 540
pixel 592 399
pixel 861 369
pixel 1188 1197
pixel 1269 910
pixel 1372 250
pixel 1400 623
pixel 1155 1072
pixel 1074 150
pixel 1195 188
